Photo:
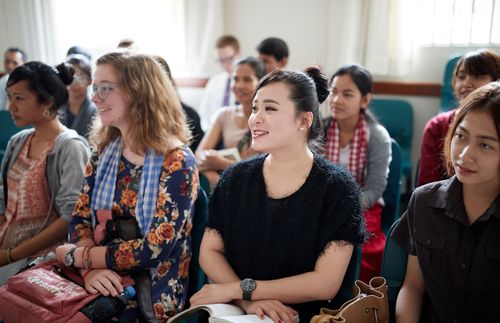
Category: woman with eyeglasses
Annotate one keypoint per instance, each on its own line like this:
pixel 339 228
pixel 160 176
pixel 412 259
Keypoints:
pixel 80 110
pixel 134 213
pixel 42 169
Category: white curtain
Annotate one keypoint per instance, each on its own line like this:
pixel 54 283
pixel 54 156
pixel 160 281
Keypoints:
pixel 204 24
pixel 375 33
pixel 27 24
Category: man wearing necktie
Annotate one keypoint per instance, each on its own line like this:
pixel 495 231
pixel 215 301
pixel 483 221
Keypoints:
pixel 218 92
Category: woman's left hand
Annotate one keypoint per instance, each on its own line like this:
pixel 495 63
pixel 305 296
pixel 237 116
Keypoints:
pixel 61 251
pixel 215 293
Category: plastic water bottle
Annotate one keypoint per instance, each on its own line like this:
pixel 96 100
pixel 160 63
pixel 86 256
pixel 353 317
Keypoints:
pixel 103 308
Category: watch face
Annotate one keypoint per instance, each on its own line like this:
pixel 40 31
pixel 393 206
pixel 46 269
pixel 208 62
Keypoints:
pixel 248 284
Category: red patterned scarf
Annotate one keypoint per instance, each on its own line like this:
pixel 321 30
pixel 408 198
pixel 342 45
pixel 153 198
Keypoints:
pixel 358 147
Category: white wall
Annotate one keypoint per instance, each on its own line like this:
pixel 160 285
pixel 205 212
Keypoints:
pixel 303 24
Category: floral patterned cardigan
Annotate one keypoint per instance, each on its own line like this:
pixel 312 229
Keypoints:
pixel 166 248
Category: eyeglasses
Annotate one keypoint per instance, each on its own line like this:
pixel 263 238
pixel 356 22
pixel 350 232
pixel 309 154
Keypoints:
pixel 102 90
pixel 226 60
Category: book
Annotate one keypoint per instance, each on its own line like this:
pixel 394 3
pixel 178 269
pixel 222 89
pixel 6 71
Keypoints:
pixel 230 153
pixel 219 313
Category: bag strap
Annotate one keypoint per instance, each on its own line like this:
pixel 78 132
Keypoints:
pixel 143 288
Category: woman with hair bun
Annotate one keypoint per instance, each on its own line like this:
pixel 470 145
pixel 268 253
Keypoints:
pixel 42 169
pixel 356 140
pixel 282 225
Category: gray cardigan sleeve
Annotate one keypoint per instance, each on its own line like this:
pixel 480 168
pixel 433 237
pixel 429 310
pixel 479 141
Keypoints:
pixel 71 161
pixel 379 157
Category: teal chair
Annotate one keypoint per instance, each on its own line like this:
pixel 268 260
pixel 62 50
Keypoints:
pixel 8 128
pixel 394 265
pixel 392 193
pixel 448 100
pixel 393 269
pixel 397 117
pixel 197 277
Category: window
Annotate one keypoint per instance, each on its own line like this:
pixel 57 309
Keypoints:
pixel 157 26
pixel 458 22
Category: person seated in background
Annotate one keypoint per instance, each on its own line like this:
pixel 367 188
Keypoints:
pixel 79 112
pixel 127 43
pixel 273 52
pixel 231 123
pixel 217 92
pixel 79 50
pixel 451 229
pixel 141 180
pixel 42 169
pixel 283 225
pixel 192 117
pixel 354 139
pixel 13 58
pixel 473 70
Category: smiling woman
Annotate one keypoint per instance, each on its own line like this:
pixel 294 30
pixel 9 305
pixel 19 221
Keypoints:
pixel 267 247
pixel 141 180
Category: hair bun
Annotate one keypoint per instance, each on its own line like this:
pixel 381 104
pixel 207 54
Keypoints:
pixel 65 72
pixel 321 82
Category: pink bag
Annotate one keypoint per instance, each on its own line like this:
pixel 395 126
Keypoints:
pixel 44 293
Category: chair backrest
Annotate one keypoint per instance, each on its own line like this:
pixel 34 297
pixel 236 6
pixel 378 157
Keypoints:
pixel 397 117
pixel 448 100
pixel 197 277
pixel 392 193
pixel 7 129
pixel 393 268
pixel 345 292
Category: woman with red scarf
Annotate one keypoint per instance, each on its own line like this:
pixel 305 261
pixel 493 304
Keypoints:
pixel 354 139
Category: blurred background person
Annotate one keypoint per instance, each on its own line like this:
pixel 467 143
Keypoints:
pixel 192 117
pixel 13 58
pixel 79 112
pixel 217 93
pixel 273 52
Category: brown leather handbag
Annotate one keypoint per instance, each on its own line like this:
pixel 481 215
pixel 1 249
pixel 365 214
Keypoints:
pixel 369 305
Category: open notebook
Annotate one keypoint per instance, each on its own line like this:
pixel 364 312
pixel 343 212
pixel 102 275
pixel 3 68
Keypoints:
pixel 219 313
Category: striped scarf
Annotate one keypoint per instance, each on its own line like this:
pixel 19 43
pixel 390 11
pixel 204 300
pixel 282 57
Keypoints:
pixel 358 147
pixel 105 183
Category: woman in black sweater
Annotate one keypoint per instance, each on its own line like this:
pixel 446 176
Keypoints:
pixel 285 222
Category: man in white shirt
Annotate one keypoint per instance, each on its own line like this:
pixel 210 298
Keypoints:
pixel 13 58
pixel 217 93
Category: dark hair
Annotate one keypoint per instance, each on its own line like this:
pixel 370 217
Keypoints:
pixel 484 99
pixel 79 50
pixel 307 90
pixel 228 40
pixel 126 43
pixel 48 83
pixel 359 75
pixel 24 57
pixel 273 46
pixel 363 80
pixel 82 62
pixel 254 63
pixel 479 62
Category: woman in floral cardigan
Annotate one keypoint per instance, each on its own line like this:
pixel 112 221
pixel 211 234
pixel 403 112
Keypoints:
pixel 143 177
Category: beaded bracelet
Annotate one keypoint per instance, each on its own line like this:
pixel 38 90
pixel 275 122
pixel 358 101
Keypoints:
pixel 87 261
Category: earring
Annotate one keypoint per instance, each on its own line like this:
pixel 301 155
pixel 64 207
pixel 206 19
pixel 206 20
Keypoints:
pixel 46 114
pixel 301 128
